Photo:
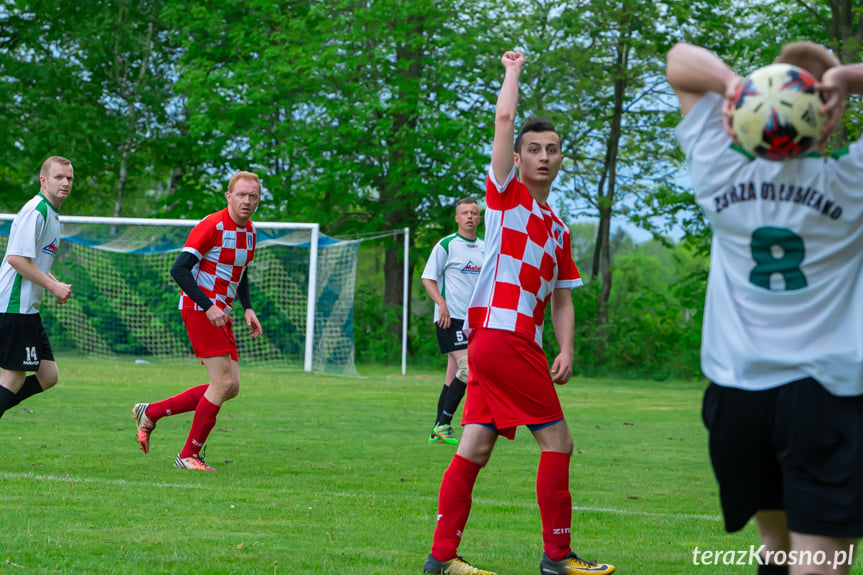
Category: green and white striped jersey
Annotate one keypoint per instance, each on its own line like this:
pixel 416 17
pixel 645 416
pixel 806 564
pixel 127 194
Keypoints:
pixel 455 263
pixel 35 234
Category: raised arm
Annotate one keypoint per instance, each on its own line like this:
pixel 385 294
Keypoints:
pixel 693 71
pixel 836 84
pixel 504 117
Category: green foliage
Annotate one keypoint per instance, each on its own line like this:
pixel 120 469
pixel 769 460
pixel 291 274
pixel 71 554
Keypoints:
pixel 377 115
pixel 377 328
pixel 75 86
pixel 655 314
pixel 377 332
pixel 653 332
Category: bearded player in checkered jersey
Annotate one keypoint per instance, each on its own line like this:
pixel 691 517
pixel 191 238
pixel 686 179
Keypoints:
pixel 528 262
pixel 211 270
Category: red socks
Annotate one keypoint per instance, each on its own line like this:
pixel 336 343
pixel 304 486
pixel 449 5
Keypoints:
pixel 555 503
pixel 182 403
pixel 453 506
pixel 202 425
pixel 190 400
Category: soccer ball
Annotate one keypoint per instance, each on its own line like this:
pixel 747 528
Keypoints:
pixel 776 112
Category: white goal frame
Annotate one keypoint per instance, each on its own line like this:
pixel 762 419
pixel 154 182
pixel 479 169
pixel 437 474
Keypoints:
pixel 314 242
pixel 314 230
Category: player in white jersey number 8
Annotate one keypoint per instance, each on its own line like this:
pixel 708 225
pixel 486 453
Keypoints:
pixel 782 342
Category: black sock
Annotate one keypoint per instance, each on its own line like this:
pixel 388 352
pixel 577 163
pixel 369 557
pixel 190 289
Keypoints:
pixel 456 392
pixel 6 398
pixel 440 402
pixel 31 387
pixel 772 569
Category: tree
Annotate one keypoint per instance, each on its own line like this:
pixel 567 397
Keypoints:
pixel 839 26
pixel 759 31
pixel 74 87
pixel 599 72
pixel 406 82
pixel 361 115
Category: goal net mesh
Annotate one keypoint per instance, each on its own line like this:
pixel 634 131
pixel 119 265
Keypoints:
pixel 125 302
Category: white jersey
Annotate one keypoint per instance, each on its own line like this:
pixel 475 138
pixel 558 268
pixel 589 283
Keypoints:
pixel 784 300
pixel 35 234
pixel 455 263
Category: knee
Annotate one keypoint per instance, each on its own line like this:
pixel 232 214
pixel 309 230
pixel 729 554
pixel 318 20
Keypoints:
pixel 478 452
pixel 559 441
pixel 48 377
pixel 774 541
pixel 773 530
pixel 232 389
pixel 565 445
pixel 225 386
pixel 462 371
pixel 479 457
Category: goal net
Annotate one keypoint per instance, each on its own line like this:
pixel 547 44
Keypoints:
pixel 125 303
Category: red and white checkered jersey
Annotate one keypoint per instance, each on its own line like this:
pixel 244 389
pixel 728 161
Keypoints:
pixel 527 256
pixel 223 250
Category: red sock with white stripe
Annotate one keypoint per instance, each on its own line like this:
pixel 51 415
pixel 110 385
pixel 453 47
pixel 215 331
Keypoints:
pixel 180 403
pixel 454 503
pixel 555 503
pixel 202 425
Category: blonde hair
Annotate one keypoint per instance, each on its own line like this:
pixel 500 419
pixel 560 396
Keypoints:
pixel 810 56
pixel 46 165
pixel 463 201
pixel 243 176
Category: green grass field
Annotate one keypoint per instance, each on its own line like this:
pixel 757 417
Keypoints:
pixel 319 474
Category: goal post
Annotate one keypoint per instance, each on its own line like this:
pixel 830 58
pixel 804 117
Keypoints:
pixel 126 304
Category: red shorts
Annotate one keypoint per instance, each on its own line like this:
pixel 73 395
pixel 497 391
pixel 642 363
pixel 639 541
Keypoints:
pixel 207 339
pixel 509 383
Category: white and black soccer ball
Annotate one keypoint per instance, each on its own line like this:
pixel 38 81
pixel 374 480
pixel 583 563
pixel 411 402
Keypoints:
pixel 776 112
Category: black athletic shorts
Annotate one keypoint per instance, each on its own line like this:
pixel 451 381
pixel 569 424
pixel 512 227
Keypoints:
pixel 451 338
pixel 795 448
pixel 23 342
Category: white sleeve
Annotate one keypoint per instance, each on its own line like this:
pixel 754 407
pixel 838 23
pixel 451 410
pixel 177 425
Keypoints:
pixel 503 186
pixel 25 233
pixel 708 149
pixel 846 177
pixel 435 264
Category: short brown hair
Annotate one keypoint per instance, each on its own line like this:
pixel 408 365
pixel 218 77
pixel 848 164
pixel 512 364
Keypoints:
pixel 463 201
pixel 243 176
pixel 46 165
pixel 810 56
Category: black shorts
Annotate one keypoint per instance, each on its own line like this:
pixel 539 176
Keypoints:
pixel 23 342
pixel 795 448
pixel 451 338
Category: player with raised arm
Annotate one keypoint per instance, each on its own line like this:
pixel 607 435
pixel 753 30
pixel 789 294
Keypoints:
pixel 449 278
pixel 25 274
pixel 212 270
pixel 782 342
pixel 528 263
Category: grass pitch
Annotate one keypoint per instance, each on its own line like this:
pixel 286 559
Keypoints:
pixel 319 474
